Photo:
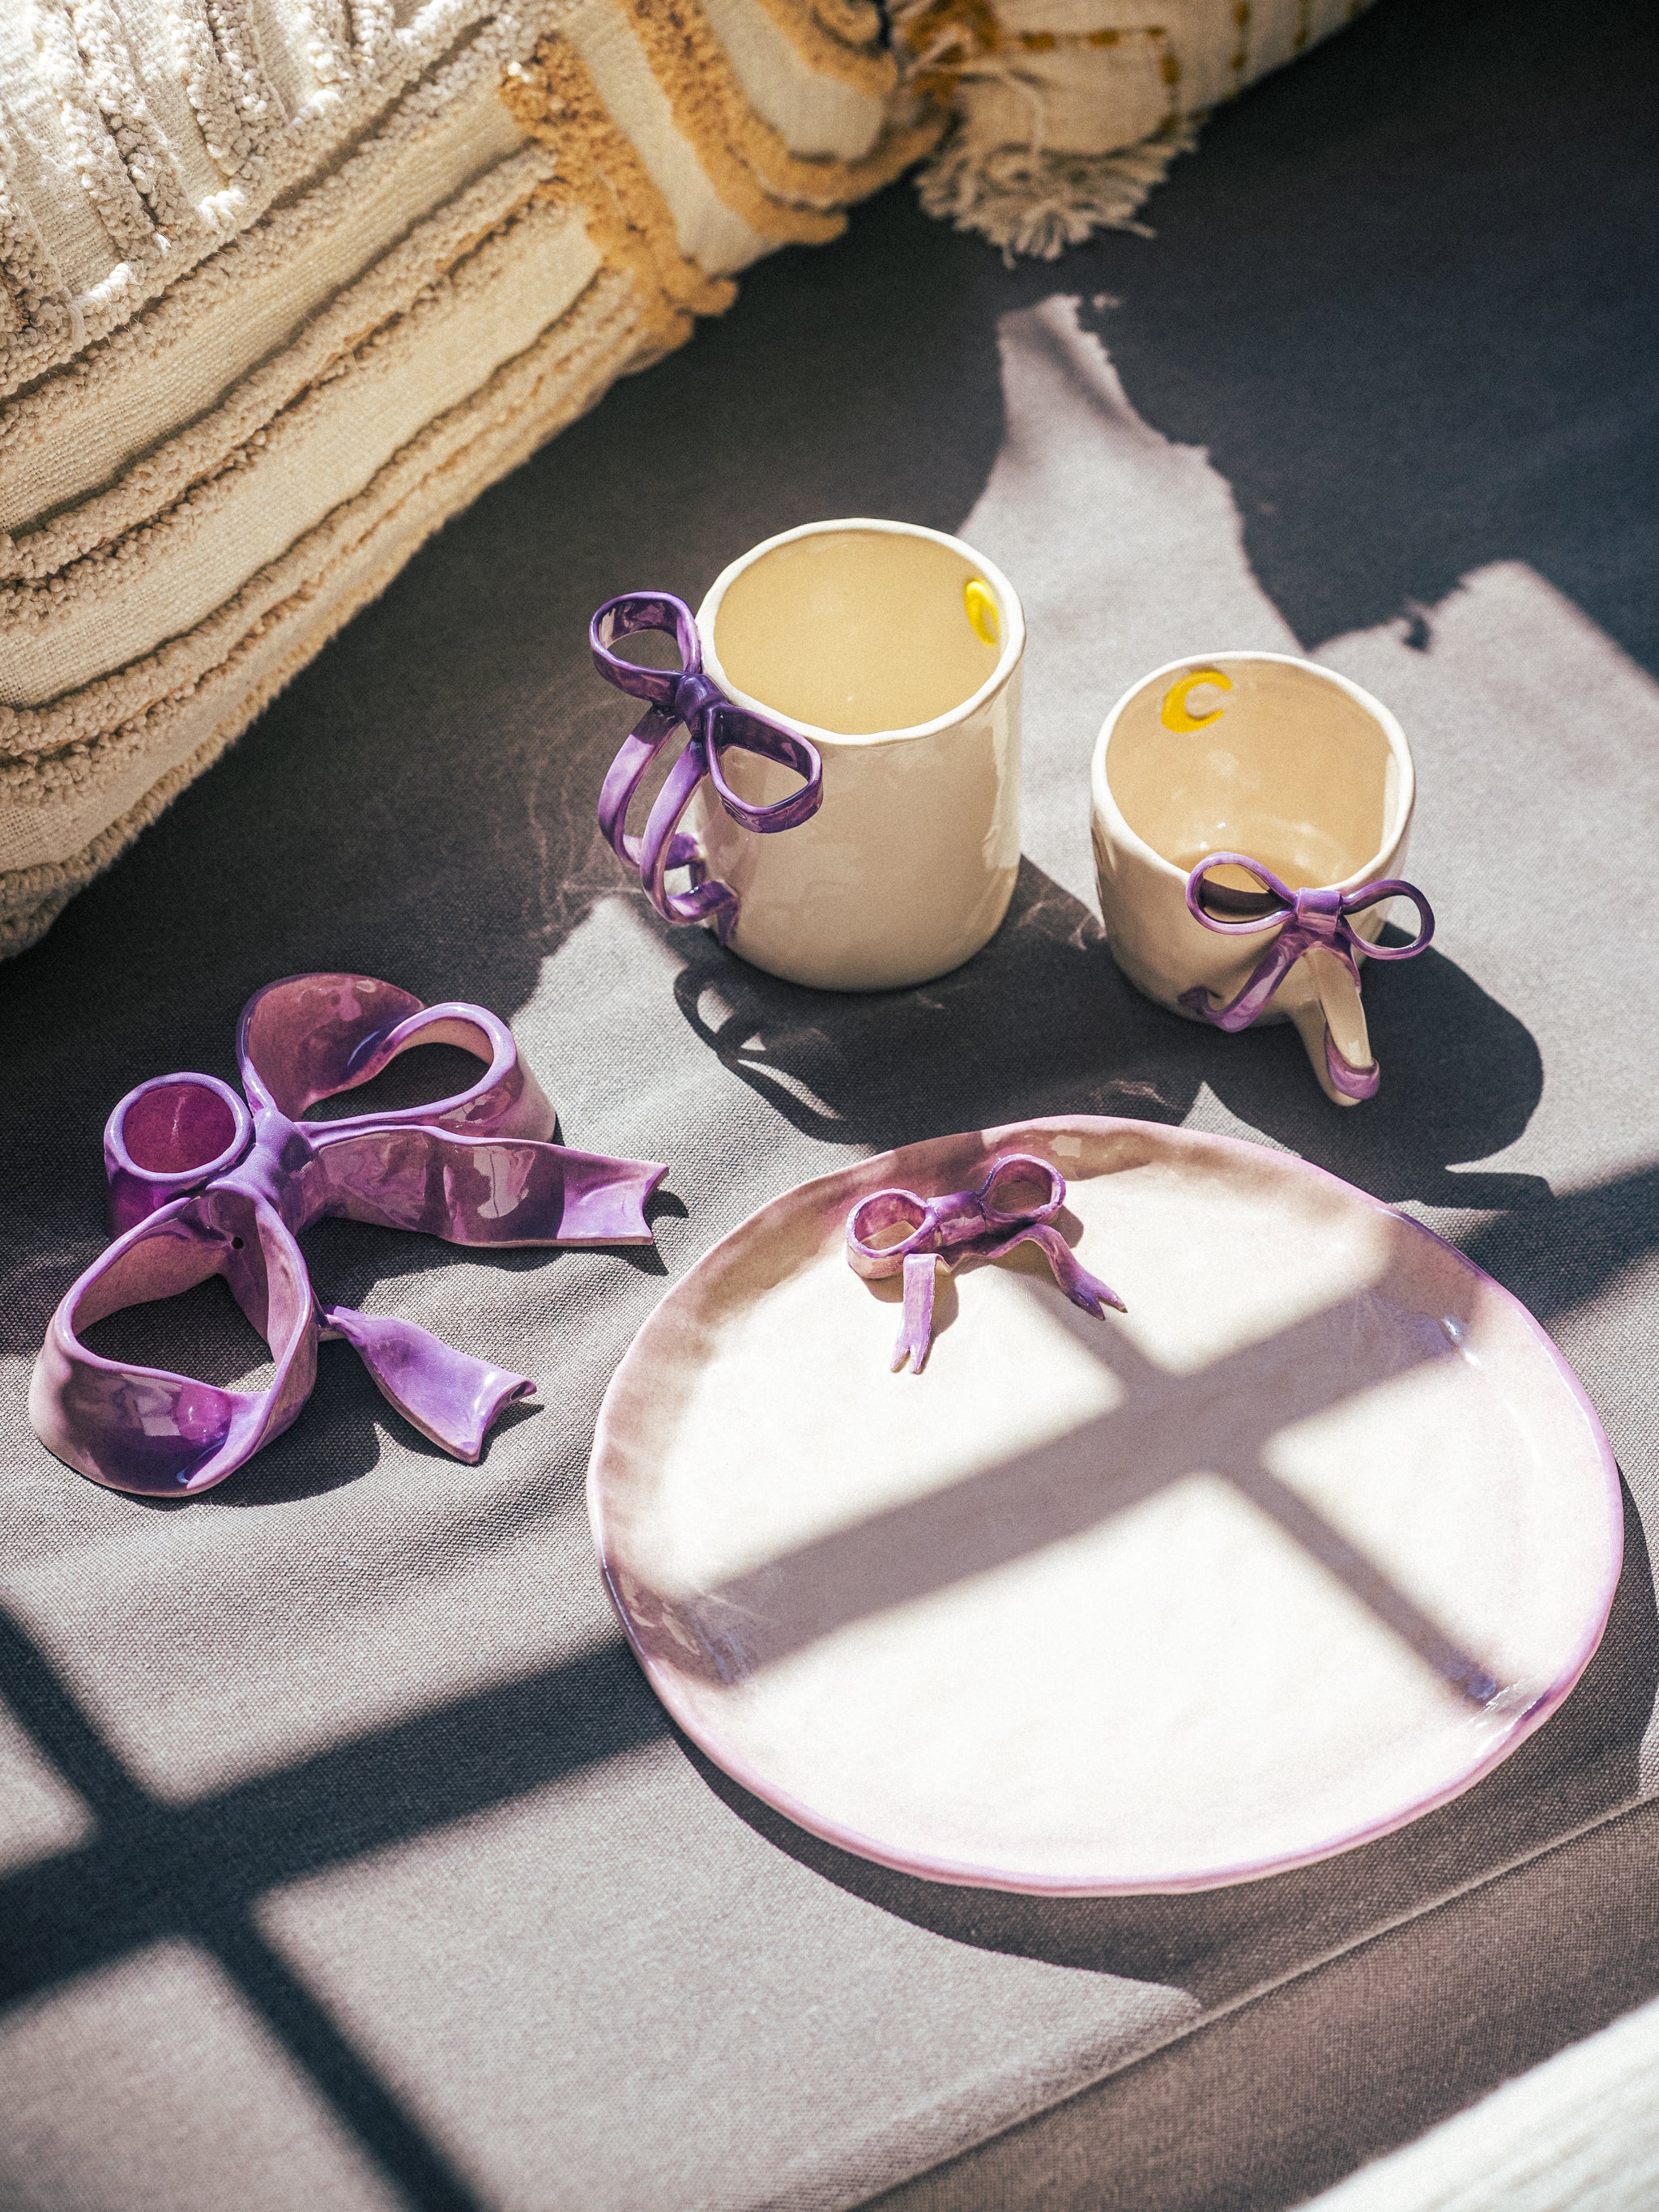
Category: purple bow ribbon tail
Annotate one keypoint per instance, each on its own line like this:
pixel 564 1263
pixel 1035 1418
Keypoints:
pixel 685 698
pixel 454 1400
pixel 1016 1204
pixel 1306 922
pixel 203 1183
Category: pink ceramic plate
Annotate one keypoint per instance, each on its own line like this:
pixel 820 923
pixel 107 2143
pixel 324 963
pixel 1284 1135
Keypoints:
pixel 1298 1548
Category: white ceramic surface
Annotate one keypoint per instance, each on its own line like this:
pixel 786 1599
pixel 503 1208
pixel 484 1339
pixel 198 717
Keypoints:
pixel 1294 765
pixel 1302 1545
pixel 908 866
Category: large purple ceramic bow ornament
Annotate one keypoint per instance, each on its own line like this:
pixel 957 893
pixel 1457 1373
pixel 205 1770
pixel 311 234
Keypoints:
pixel 1307 921
pixel 1016 1204
pixel 201 1183
pixel 714 727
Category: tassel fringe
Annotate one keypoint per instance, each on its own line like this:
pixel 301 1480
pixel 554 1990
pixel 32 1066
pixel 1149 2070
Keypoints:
pixel 1036 203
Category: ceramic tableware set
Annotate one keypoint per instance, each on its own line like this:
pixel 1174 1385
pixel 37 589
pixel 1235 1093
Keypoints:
pixel 961 1554
pixel 857 683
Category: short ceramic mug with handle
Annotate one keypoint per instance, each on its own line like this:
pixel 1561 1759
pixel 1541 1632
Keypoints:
pixel 897 652
pixel 1304 782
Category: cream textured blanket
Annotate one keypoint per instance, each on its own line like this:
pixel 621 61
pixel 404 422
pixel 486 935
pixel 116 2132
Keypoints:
pixel 284 283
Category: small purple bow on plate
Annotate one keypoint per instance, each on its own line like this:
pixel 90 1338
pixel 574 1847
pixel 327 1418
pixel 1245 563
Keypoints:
pixel 200 1185
pixel 1305 921
pixel 1016 1204
pixel 713 726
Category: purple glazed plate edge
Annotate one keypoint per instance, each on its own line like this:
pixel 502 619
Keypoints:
pixel 664 1679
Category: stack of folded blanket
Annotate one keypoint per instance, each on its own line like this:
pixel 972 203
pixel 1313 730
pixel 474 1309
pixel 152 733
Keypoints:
pixel 284 283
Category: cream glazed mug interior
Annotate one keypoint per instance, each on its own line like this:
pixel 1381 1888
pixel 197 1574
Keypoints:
pixel 896 651
pixel 1288 762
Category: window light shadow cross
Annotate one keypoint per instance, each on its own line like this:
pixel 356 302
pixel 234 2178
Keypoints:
pixel 1208 1422
pixel 152 1871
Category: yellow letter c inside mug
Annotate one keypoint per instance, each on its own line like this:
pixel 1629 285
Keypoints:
pixel 1297 767
pixel 1177 715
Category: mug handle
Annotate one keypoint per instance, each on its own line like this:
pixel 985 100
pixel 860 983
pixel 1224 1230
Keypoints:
pixel 1332 1022
pixel 1330 1019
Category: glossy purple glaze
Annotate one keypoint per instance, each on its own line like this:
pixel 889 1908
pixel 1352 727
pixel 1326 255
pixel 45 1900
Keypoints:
pixel 199 1186
pixel 1305 920
pixel 1016 1204
pixel 713 726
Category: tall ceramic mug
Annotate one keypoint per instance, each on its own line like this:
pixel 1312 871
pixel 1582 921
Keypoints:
pixel 1263 756
pixel 897 652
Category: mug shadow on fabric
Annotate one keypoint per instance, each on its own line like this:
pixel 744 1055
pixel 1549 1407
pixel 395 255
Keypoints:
pixel 1464 1074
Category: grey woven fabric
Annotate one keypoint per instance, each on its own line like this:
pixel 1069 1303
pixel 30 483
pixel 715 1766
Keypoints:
pixel 345 1860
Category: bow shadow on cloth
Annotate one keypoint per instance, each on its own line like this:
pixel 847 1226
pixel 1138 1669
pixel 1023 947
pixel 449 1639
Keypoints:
pixel 713 726
pixel 1306 922
pixel 200 1185
pixel 1016 1204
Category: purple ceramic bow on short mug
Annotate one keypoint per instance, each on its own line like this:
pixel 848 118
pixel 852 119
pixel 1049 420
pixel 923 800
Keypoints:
pixel 1016 1204
pixel 202 1183
pixel 1307 921
pixel 713 726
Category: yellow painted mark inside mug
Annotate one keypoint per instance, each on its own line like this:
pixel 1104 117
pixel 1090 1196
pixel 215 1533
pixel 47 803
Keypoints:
pixel 1175 715
pixel 981 611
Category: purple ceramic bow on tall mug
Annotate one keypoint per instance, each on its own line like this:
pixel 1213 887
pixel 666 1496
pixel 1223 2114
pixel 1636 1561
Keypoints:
pixel 685 698
pixel 1250 817
pixel 202 1183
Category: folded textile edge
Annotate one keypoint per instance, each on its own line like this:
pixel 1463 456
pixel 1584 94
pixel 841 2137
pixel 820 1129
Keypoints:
pixel 160 594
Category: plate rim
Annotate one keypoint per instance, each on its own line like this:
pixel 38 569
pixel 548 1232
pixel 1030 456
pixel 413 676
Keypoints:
pixel 963 1874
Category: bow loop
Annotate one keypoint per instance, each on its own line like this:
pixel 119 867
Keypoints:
pixel 1391 887
pixel 1021 1189
pixel 167 1137
pixel 871 1217
pixel 687 698
pixel 734 729
pixel 1016 1204
pixel 1230 912
pixel 627 617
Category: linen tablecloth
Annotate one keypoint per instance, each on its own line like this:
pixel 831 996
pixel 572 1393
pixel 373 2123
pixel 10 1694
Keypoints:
pixel 345 1859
